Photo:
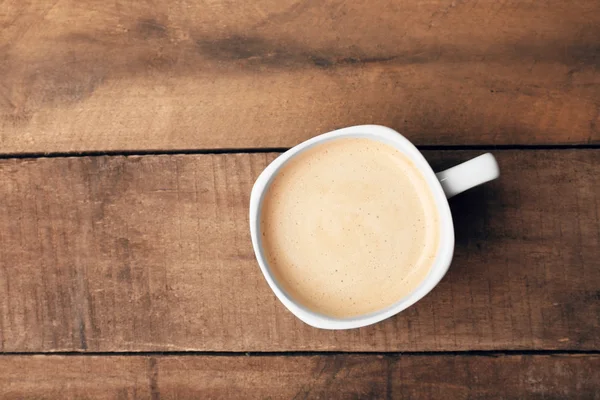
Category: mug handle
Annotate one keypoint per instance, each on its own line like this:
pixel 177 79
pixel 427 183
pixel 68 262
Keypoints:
pixel 469 174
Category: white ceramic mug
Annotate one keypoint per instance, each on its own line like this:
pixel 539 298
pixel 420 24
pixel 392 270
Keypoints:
pixel 443 185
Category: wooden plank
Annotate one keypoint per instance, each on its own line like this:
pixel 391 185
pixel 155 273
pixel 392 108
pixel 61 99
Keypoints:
pixel 60 377
pixel 281 377
pixel 153 253
pixel 94 75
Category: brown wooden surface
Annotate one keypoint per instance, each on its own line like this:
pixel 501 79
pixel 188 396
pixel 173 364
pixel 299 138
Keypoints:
pixel 125 75
pixel 300 377
pixel 153 253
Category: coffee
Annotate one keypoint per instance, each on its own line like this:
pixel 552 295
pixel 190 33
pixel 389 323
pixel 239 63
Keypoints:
pixel 349 227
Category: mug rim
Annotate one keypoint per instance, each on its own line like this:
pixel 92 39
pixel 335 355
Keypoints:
pixel 443 256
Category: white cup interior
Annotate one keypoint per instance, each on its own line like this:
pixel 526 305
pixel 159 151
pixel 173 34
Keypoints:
pixel 445 248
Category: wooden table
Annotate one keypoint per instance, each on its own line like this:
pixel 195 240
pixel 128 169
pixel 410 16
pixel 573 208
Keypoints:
pixel 131 134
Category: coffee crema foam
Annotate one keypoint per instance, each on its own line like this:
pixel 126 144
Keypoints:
pixel 349 227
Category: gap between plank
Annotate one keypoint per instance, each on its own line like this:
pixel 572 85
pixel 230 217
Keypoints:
pixel 126 153
pixel 477 353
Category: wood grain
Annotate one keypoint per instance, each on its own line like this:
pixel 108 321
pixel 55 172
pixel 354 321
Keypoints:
pixel 153 253
pixel 123 76
pixel 277 377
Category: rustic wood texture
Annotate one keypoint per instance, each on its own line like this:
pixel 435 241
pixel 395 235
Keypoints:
pixel 153 253
pixel 300 377
pixel 120 75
